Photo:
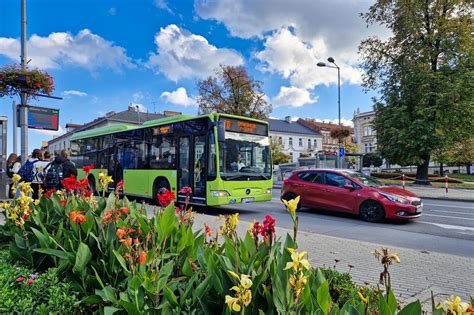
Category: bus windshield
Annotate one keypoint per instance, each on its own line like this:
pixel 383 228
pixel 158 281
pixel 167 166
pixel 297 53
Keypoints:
pixel 244 156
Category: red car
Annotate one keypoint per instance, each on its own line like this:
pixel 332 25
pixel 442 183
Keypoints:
pixel 352 192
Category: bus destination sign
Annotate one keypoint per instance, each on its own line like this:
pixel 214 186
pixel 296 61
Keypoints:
pixel 42 118
pixel 244 126
pixel 162 130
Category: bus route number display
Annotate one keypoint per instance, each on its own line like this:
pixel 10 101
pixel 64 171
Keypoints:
pixel 162 130
pixel 244 126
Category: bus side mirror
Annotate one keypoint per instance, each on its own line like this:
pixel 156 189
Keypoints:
pixel 220 132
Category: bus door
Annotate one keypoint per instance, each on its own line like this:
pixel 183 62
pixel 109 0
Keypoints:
pixel 192 167
pixel 115 164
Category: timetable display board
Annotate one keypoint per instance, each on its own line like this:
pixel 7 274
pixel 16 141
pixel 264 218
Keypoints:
pixel 42 118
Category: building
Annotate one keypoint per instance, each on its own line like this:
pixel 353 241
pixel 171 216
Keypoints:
pixel 130 116
pixel 296 139
pixel 329 144
pixel 364 132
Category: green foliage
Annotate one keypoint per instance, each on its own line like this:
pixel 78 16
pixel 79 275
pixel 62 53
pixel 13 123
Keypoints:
pixel 46 295
pixel 370 159
pixel 233 91
pixel 423 73
pixel 278 156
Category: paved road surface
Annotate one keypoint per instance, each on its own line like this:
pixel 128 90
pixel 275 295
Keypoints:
pixel 445 227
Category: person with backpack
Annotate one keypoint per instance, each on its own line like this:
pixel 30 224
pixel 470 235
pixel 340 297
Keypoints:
pixel 28 172
pixel 60 168
pixel 40 167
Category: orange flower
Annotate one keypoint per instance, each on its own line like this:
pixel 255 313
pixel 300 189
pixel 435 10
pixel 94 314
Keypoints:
pixel 77 217
pixel 108 215
pixel 208 230
pixel 127 256
pixel 124 210
pixel 121 233
pixel 127 241
pixel 142 259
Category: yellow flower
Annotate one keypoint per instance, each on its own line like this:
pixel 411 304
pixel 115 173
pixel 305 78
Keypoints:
pixel 36 202
pixel 16 178
pixel 298 261
pixel 245 281
pixel 454 305
pixel 230 224
pixel 365 300
pixel 395 257
pixel 233 274
pixel 247 297
pixel 292 205
pixel 233 303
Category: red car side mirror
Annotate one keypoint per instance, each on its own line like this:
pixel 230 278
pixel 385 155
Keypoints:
pixel 349 187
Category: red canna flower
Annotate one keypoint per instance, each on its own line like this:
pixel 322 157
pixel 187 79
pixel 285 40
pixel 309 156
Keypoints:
pixel 142 259
pixel 49 193
pixel 268 230
pixel 208 230
pixel 87 169
pixel 70 183
pixel 124 210
pixel 30 281
pixel 63 202
pixel 186 190
pixel 83 183
pixel 77 217
pixel 165 197
pixel 121 233
pixel 20 279
pixel 120 185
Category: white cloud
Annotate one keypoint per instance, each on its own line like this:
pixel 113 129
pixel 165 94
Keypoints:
pixel 138 96
pixel 74 93
pixel 287 55
pixel 112 11
pixel 179 97
pixel 337 22
pixel 85 50
pixel 162 5
pixel 181 54
pixel 293 97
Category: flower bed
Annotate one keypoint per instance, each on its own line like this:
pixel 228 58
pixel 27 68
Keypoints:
pixel 122 261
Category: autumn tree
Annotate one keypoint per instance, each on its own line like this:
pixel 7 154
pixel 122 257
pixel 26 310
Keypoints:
pixel 278 156
pixel 233 91
pixel 424 75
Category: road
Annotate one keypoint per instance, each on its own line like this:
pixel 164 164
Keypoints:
pixel 445 226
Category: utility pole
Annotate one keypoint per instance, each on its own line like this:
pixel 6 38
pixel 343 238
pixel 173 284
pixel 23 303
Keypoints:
pixel 24 95
pixel 15 124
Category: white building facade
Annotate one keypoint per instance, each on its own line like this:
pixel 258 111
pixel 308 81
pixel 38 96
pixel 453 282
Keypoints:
pixel 364 132
pixel 296 139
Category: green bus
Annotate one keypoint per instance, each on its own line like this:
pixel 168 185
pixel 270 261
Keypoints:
pixel 225 159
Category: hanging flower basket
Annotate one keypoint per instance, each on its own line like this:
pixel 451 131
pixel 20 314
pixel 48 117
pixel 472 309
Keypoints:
pixel 14 80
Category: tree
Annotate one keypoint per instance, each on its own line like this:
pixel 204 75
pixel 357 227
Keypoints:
pixel 278 156
pixel 233 91
pixel 350 147
pixel 372 158
pixel 461 153
pixel 423 74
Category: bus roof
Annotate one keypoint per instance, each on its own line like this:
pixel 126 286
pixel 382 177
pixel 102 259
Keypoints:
pixel 156 122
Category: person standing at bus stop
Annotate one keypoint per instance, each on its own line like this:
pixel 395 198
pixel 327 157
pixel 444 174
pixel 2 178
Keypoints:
pixel 60 168
pixel 13 166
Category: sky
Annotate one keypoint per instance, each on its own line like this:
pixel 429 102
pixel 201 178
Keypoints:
pixel 105 55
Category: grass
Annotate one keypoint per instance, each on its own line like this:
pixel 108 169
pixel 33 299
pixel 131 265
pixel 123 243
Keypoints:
pixel 462 176
pixel 434 184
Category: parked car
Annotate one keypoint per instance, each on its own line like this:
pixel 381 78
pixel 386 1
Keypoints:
pixel 351 192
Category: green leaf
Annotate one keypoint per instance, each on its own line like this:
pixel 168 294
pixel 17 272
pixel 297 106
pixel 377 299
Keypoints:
pixel 169 295
pixel 121 261
pixel 130 308
pixel 392 302
pixel 83 256
pixel 323 298
pixel 91 299
pixel 109 310
pixel 53 252
pixel 414 308
pixel 98 277
pixel 135 283
pixel 42 239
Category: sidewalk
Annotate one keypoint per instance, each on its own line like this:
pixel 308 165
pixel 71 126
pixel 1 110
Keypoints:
pixel 415 277
pixel 427 192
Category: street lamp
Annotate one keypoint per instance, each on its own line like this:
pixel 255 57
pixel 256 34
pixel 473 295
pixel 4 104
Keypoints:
pixel 323 64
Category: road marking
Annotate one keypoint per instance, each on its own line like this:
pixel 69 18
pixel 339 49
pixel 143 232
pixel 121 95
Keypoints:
pixel 445 216
pixel 455 212
pixel 449 226
pixel 447 206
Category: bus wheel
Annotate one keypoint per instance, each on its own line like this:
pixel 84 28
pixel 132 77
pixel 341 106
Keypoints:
pixel 92 186
pixel 159 184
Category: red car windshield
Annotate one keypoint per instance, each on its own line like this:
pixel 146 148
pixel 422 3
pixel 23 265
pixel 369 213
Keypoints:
pixel 365 180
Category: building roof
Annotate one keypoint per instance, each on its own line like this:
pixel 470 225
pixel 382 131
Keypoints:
pixel 278 125
pixel 129 116
pixel 318 126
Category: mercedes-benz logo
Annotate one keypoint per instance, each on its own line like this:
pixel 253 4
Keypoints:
pixel 247 191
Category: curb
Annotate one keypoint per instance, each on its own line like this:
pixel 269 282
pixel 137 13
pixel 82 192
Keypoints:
pixel 421 196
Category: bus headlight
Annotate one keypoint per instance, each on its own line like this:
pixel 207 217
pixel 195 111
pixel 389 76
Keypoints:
pixel 268 191
pixel 219 193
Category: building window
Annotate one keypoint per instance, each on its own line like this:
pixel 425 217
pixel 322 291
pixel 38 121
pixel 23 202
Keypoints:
pixel 301 142
pixel 290 141
pixel 370 147
pixel 280 140
pixel 366 147
pixel 324 139
pixel 315 143
pixel 309 143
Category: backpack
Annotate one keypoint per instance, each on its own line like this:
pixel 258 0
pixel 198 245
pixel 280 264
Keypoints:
pixel 27 171
pixel 54 175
